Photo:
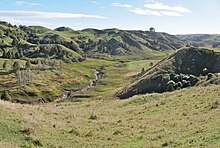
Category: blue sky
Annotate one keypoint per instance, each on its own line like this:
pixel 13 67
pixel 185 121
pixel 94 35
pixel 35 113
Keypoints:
pixel 171 16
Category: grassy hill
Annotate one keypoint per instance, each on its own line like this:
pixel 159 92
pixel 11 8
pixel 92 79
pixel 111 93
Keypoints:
pixel 90 42
pixel 184 118
pixel 26 42
pixel 186 67
pixel 96 118
pixel 202 40
pixel 50 51
pixel 123 42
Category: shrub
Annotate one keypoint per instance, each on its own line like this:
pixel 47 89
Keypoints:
pixel 172 75
pixel 170 87
pixel 193 80
pixel 180 77
pixel 185 77
pixel 186 83
pixel 171 82
pixel 205 71
pixel 176 78
pixel 178 85
pixel 16 66
pixel 210 76
pixel 5 96
pixel 166 78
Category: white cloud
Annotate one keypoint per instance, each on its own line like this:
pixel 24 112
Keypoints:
pixel 141 11
pixel 24 22
pixel 160 6
pixel 45 15
pixel 94 2
pixel 24 3
pixel 149 1
pixel 152 7
pixel 122 5
pixel 170 13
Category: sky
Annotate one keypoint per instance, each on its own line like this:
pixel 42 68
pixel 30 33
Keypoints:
pixel 171 16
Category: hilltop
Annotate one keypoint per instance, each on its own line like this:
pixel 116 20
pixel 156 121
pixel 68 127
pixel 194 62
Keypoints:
pixel 69 45
pixel 125 42
pixel 36 42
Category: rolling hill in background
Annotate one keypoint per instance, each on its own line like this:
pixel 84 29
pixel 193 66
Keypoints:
pixel 122 42
pixel 70 45
pixel 201 40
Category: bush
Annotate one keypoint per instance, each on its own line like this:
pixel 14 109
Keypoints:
pixel 193 80
pixel 205 71
pixel 170 87
pixel 176 78
pixel 186 83
pixel 178 85
pixel 171 82
pixel 166 78
pixel 210 76
pixel 185 77
pixel 5 96
pixel 172 75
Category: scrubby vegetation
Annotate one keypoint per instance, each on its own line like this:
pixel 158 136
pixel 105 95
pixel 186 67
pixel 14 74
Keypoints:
pixel 185 68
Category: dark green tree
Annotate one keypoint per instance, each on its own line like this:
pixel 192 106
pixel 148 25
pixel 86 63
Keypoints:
pixel 15 42
pixel 4 66
pixel 28 65
pixel 5 96
pixel 16 66
pixel 9 55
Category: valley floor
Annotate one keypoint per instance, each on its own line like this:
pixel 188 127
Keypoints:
pixel 184 118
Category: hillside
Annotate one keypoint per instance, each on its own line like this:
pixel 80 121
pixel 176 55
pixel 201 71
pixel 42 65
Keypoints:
pixel 36 42
pixel 90 42
pixel 201 40
pixel 186 67
pixel 35 57
pixel 123 42
pixel 184 118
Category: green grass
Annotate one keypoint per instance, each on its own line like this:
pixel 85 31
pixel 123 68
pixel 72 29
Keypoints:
pixel 215 49
pixel 182 118
pixel 49 83
pixel 9 128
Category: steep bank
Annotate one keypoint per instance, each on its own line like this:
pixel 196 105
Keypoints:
pixel 179 70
